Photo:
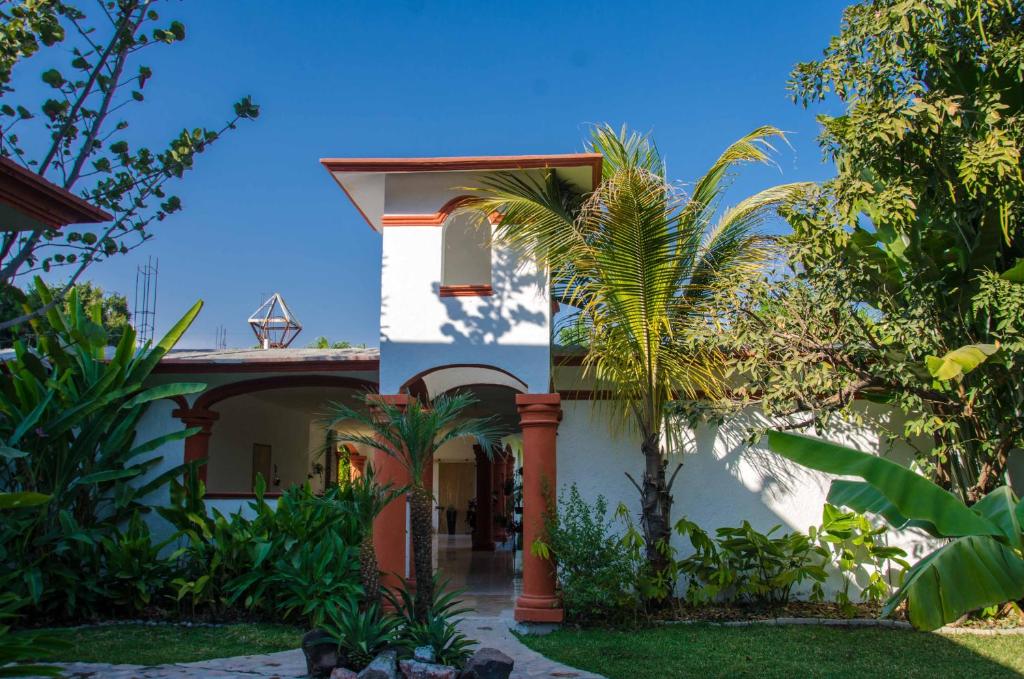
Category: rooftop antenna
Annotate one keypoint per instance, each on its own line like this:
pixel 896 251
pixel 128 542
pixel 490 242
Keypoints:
pixel 144 313
pixel 273 323
pixel 222 337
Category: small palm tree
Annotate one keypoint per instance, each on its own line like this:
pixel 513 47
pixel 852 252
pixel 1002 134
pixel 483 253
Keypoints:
pixel 642 263
pixel 412 435
pixel 366 498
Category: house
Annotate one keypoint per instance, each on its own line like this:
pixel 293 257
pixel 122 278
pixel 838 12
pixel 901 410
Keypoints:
pixel 459 312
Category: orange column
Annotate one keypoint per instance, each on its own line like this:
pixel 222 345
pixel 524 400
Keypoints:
pixel 197 446
pixel 539 416
pixel 483 534
pixel 389 528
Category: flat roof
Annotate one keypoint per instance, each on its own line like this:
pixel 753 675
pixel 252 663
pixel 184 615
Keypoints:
pixel 362 179
pixel 270 360
pixel 39 202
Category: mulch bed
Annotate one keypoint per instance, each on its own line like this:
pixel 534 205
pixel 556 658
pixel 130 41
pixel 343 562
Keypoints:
pixel 794 609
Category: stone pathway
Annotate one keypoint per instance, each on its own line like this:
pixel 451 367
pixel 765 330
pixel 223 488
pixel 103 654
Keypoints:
pixel 494 631
pixel 489 630
pixel 283 665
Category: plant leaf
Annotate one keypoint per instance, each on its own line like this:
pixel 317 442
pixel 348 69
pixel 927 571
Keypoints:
pixel 959 362
pixel 914 496
pixel 967 574
pixel 1000 507
pixel 23 499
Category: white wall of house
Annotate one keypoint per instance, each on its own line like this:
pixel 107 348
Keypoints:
pixel 420 329
pixel 248 420
pixel 723 481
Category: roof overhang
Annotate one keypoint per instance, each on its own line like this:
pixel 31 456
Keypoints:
pixel 363 179
pixel 29 202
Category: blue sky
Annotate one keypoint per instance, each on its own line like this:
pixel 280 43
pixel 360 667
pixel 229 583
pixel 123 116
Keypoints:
pixel 439 78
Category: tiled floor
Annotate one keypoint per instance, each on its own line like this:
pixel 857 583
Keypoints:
pixel 489 580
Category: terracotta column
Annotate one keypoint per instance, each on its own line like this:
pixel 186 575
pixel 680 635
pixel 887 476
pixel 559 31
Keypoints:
pixel 197 446
pixel 483 533
pixel 389 528
pixel 539 416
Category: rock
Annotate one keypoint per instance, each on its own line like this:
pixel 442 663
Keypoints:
pixel 321 653
pixel 487 663
pixel 424 654
pixel 414 669
pixel 384 666
pixel 343 673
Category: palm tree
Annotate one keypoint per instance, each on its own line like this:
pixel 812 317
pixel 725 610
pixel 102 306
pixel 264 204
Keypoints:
pixel 641 262
pixel 411 435
pixel 366 498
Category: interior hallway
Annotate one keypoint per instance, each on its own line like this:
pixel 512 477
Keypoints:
pixel 490 580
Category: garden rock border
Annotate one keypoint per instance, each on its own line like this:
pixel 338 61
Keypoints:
pixel 848 622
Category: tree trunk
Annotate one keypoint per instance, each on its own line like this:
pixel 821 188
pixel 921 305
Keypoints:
pixel 420 510
pixel 369 571
pixel 656 505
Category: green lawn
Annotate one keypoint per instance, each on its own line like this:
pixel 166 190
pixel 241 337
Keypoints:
pixel 159 644
pixel 795 651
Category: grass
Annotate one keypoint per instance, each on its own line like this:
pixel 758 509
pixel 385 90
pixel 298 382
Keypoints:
pixel 136 644
pixel 794 651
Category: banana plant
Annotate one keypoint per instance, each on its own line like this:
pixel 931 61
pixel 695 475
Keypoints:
pixel 69 411
pixel 981 563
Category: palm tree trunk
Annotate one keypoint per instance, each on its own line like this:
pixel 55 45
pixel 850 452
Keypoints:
pixel 369 571
pixel 420 511
pixel 656 506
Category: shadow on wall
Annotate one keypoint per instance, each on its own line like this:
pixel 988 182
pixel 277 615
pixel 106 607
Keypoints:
pixel 724 480
pixel 494 316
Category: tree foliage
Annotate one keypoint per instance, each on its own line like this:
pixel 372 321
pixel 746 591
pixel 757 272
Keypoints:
pixel 901 282
pixel 115 317
pixel 77 135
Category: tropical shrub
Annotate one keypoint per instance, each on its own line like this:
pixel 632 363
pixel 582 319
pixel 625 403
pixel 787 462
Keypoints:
pixel 980 564
pixel 361 633
pixel 136 575
pixel 598 579
pixel 68 430
pixel 26 646
pixel 855 546
pixel 742 565
pixel 296 561
pixel 438 629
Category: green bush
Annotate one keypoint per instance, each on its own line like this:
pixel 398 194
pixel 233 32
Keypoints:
pixel 439 630
pixel 742 565
pixel 297 561
pixel 68 415
pixel 597 572
pixel 360 633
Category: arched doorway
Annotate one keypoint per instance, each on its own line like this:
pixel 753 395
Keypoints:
pixel 477 544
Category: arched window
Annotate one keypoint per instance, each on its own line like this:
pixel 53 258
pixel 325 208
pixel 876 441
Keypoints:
pixel 466 256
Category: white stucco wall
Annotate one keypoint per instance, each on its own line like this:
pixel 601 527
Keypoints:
pixel 723 481
pixel 421 330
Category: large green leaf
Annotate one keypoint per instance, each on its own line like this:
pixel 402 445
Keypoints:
pixel 864 498
pixel 914 496
pixel 1014 274
pixel 967 574
pixel 24 499
pixel 164 391
pixel 1000 507
pixel 959 362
